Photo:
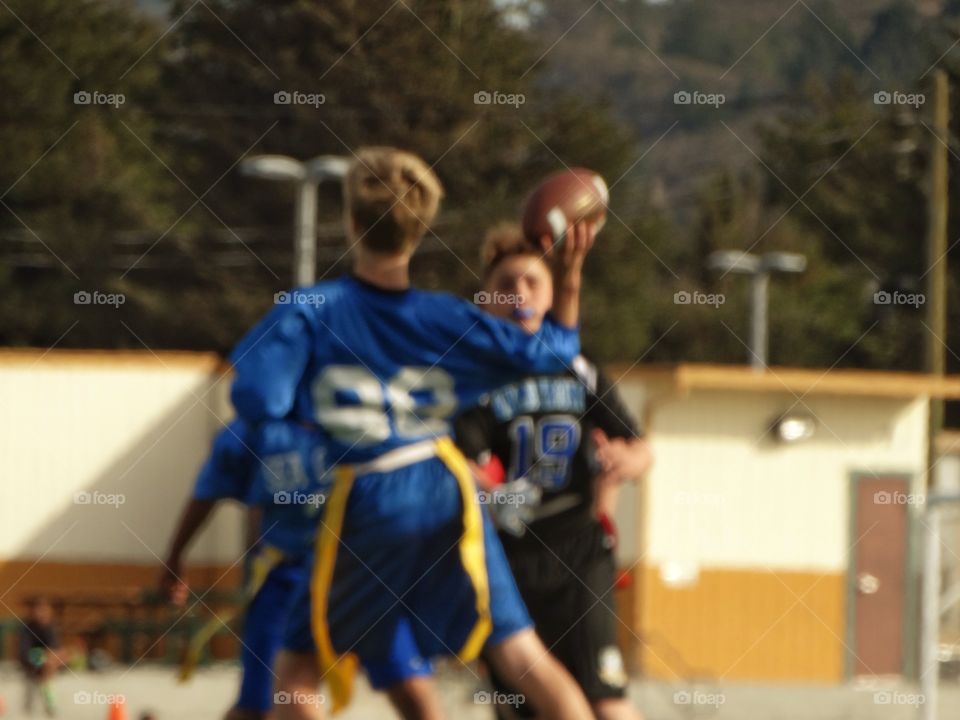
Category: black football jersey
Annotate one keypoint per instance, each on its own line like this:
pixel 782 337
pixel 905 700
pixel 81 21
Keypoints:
pixel 540 428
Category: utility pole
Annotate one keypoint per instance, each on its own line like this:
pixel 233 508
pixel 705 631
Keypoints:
pixel 935 361
pixel 937 205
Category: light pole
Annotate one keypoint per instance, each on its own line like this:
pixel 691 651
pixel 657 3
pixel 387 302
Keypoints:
pixel 308 176
pixel 759 268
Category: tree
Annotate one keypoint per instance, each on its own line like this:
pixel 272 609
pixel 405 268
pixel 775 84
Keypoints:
pixel 76 178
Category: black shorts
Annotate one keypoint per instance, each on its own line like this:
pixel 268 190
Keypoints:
pixel 568 590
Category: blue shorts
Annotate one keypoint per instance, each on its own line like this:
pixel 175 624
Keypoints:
pixel 263 632
pixel 399 594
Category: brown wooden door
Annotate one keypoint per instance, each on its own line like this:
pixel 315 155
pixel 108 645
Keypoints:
pixel 879 574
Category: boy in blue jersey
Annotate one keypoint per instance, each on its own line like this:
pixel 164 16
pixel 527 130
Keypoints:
pixel 242 462
pixel 407 565
pixel 280 469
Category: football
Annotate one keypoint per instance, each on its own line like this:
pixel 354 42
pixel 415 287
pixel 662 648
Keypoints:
pixel 562 199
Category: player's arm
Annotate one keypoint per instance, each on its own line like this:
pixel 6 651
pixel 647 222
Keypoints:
pixel 193 517
pixel 473 431
pixel 269 363
pixel 492 350
pixel 621 459
pixel 569 260
pixel 225 475
pixel 622 451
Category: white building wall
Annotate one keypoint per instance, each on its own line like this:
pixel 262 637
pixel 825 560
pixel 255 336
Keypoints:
pixel 117 426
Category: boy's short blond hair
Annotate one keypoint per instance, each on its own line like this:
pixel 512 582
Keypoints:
pixel 503 240
pixel 391 197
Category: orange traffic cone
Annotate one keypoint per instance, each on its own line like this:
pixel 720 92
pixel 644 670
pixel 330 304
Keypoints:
pixel 118 710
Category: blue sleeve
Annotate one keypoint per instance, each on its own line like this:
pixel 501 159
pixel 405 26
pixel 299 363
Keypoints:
pixel 481 343
pixel 228 472
pixel 269 363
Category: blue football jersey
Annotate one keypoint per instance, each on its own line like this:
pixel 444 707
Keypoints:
pixel 279 466
pixel 228 470
pixel 377 369
pixel 290 485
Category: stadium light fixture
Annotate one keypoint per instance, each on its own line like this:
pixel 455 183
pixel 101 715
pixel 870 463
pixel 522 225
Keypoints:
pixel 308 176
pixel 759 268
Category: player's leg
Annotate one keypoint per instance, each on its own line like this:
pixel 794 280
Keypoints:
pixel 395 665
pixel 574 582
pixel 539 677
pixel 416 699
pixel 616 709
pixel 516 652
pixel 236 713
pixel 263 631
pixel 375 631
pixel 590 650
pixel 298 680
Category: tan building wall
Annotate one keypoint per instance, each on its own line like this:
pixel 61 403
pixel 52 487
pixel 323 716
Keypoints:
pixel 98 454
pixel 741 546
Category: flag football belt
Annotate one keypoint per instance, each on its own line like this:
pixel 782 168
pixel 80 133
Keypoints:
pixel 397 458
pixel 339 670
pixel 264 561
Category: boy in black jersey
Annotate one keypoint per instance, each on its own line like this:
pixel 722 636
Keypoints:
pixel 562 445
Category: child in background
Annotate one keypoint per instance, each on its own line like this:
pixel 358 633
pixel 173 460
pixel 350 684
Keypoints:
pixel 38 655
